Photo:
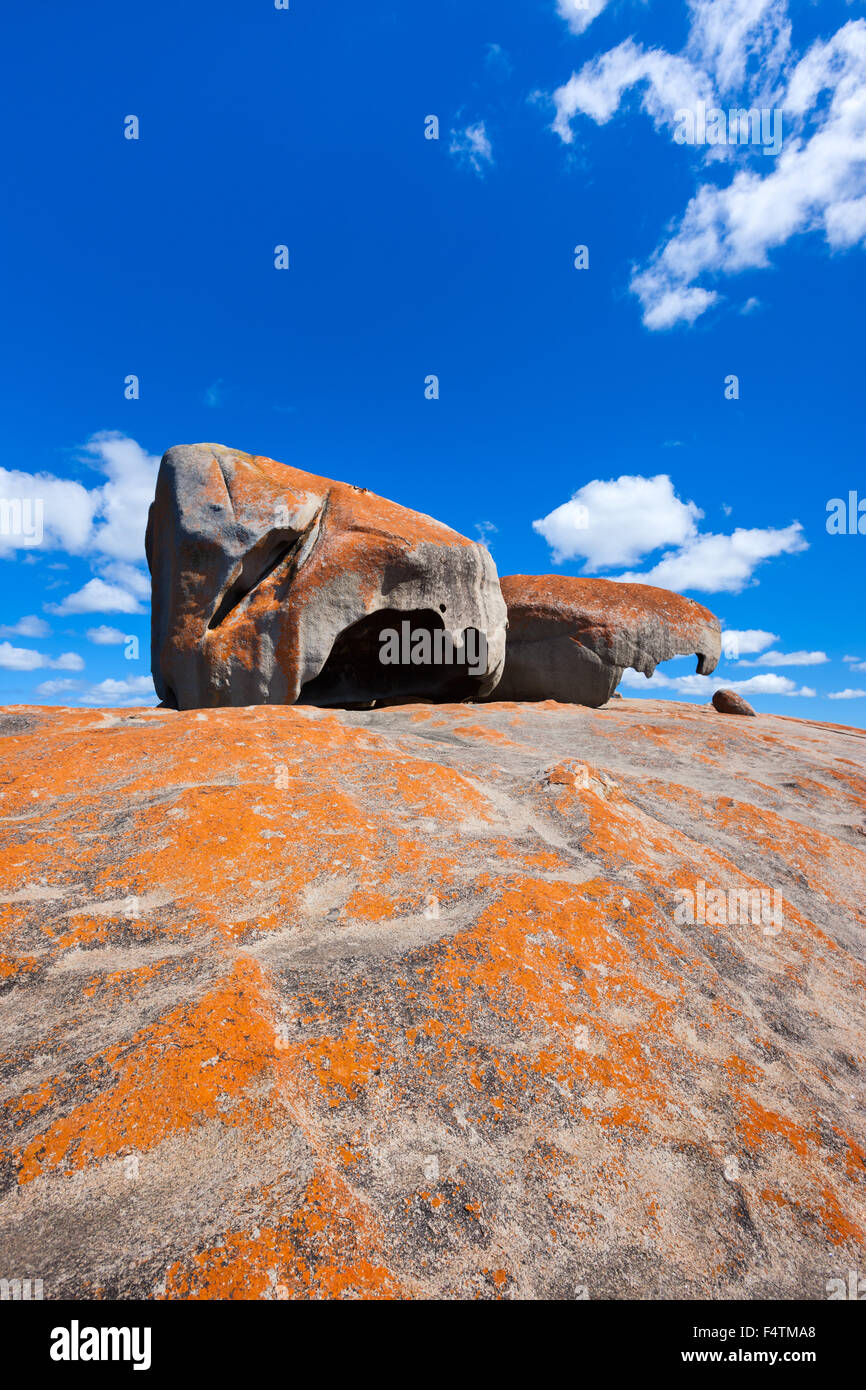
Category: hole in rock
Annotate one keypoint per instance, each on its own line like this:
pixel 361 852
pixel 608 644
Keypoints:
pixel 257 564
pixel 354 674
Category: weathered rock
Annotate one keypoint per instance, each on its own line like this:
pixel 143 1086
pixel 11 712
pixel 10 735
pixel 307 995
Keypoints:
pixel 729 702
pixel 570 639
pixel 401 1003
pixel 272 586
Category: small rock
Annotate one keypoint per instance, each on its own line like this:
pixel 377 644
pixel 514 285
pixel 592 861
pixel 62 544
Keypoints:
pixel 729 702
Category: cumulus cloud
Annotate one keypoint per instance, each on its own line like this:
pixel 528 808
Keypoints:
pixel 720 564
pixel 789 659
pixel 615 522
pixel 56 687
pixel 127 576
pixel 107 520
pixel 855 663
pixel 667 83
pixel 579 14
pixel 104 636
pixel 471 147
pixel 137 690
pixel 29 626
pixel 764 684
pixel 738 55
pixel 727 37
pixel 622 520
pixel 97 597
pixel 737 643
pixel 847 695
pixel 25 659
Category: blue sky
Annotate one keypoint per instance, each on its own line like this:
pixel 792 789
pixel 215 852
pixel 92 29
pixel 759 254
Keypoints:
pixel 409 257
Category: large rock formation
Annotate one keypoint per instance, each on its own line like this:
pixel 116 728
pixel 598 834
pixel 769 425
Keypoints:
pixel 272 585
pixel 570 639
pixel 404 1003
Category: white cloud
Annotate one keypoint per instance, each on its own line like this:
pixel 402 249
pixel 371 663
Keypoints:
pixel 738 55
pixel 579 14
pixel 617 521
pixel 764 684
pixel 128 577
pixel 855 663
pixel 472 147
pixel 789 659
pixel 668 83
pixel 97 597
pixel 66 512
pixel 847 695
pixel 55 687
pixel 108 520
pixel 729 36
pixel 105 636
pixel 817 183
pixel 29 626
pixel 137 690
pixel 25 659
pixel 737 643
pixel 720 564
pixel 622 520
pixel 124 500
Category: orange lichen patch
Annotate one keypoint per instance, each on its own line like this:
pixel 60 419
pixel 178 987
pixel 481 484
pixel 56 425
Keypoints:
pixel 838 1226
pixel 331 1248
pixel 735 1066
pixel 568 774
pixel 534 939
pixel 761 1128
pixel 343 1065
pixel 855 1156
pixel 371 905
pixel 620 832
pixel 12 967
pixel 625 604
pixel 195 1064
pixel 773 831
pixel 120 985
pixel 489 735
pixel 424 789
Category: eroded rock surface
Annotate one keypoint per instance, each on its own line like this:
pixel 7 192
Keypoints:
pixel 272 585
pixel 402 1003
pixel 570 639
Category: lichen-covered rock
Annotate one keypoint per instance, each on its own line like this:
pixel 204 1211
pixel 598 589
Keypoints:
pixel 729 702
pixel 273 586
pixel 405 1003
pixel 570 639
